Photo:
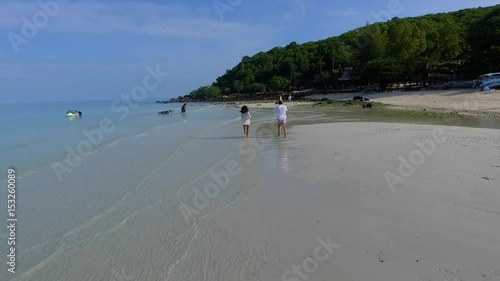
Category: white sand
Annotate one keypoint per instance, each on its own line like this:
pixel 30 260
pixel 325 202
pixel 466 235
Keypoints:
pixel 441 224
pixel 469 100
pixel 270 104
pixel 445 215
pixel 457 100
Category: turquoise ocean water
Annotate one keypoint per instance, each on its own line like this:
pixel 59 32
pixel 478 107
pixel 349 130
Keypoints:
pixel 35 134
pixel 87 207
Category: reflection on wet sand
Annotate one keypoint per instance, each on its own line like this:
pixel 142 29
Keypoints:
pixel 282 160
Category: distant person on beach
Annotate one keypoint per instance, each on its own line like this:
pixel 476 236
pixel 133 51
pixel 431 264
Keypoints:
pixel 289 98
pixel 245 117
pixel 281 99
pixel 281 111
pixel 183 108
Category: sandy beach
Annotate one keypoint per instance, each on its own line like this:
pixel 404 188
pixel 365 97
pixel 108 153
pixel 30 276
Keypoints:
pixel 471 101
pixel 270 104
pixel 346 201
pixel 336 203
pixel 438 223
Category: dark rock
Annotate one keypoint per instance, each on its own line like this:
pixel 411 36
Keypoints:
pixel 360 98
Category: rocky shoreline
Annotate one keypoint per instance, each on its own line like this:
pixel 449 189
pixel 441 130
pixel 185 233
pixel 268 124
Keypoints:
pixel 231 98
pixel 302 94
pixel 262 96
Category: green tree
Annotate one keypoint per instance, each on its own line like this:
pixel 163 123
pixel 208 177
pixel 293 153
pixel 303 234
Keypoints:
pixel 384 71
pixel 205 92
pixel 407 39
pixel 485 42
pixel 399 50
pixel 255 88
pixel 321 79
pixel 238 86
pixel 279 83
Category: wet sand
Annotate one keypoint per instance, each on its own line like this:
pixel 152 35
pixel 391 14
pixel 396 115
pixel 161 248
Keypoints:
pixel 344 185
pixel 333 201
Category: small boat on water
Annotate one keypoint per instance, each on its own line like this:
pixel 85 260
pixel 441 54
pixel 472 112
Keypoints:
pixel 73 113
pixel 488 81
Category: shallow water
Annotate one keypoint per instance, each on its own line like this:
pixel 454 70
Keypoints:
pixel 335 114
pixel 140 206
pixel 130 201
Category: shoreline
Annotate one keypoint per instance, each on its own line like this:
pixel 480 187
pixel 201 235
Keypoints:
pixel 441 103
pixel 324 182
pixel 462 101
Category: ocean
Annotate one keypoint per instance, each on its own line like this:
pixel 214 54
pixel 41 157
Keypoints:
pixel 34 133
pixel 123 190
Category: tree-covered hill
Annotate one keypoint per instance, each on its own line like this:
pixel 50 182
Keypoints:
pixel 465 43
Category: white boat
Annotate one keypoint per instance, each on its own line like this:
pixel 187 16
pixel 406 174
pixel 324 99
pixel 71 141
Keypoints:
pixel 489 80
pixel 71 113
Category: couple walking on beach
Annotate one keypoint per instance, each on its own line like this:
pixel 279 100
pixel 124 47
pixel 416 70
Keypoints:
pixel 280 111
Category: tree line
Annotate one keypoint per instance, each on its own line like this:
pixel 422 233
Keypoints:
pixel 465 44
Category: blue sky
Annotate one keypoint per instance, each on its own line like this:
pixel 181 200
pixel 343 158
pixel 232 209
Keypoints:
pixel 98 50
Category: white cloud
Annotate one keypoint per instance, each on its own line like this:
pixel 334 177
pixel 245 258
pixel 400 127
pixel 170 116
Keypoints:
pixel 36 68
pixel 128 17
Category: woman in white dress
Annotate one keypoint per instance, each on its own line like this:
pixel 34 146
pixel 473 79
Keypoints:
pixel 245 117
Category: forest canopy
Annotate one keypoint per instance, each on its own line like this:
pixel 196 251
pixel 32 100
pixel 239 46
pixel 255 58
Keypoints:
pixel 465 44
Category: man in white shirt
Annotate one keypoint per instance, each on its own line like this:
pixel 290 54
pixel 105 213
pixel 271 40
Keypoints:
pixel 280 112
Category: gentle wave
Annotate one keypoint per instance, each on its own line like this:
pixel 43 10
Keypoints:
pixel 23 145
pixel 123 139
